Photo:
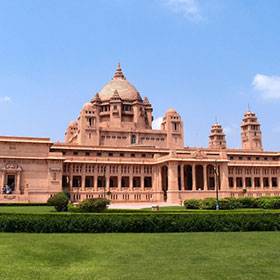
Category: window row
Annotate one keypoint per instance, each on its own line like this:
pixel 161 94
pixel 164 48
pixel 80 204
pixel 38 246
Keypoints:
pixel 256 182
pixel 101 181
pixel 249 171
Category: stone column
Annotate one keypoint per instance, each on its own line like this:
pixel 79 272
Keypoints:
pixel 261 179
pixel 17 186
pixel 205 177
pixel 95 174
pixel 224 176
pixel 131 178
pixel 193 177
pixel 173 192
pixel 83 178
pixel 182 178
pixel 142 179
pixel 119 178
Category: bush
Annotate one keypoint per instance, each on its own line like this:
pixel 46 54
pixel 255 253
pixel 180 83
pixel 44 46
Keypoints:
pixel 192 203
pixel 247 202
pixel 268 202
pixel 226 204
pixel 208 203
pixel 59 201
pixel 139 222
pixel 94 205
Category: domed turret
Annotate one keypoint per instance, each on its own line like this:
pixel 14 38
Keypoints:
pixel 251 135
pixel 217 137
pixel 125 89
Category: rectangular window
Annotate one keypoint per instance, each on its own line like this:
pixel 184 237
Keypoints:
pixel 136 182
pixel 121 154
pixel 75 153
pixel 125 182
pixel 87 153
pixel 248 182
pixel 113 182
pixel 266 182
pixel 239 182
pixel 99 154
pixel 100 182
pixel 257 182
pixel 274 182
pixel 147 182
pixel 230 182
pixel 77 181
pixel 89 181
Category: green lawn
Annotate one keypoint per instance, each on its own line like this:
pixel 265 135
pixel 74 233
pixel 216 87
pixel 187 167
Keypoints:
pixel 254 255
pixel 50 209
pixel 26 209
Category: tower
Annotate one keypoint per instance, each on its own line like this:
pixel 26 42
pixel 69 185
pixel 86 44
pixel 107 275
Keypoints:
pixel 251 135
pixel 173 125
pixel 217 137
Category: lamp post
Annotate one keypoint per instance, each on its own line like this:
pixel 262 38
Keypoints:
pixel 217 183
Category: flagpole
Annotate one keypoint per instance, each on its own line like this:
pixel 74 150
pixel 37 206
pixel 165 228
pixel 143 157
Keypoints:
pixel 217 186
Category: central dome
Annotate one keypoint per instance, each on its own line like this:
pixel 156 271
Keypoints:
pixel 125 89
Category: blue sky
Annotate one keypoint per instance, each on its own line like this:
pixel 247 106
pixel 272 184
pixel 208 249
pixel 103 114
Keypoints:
pixel 204 58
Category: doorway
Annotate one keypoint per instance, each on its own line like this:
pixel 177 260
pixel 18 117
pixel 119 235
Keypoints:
pixel 11 180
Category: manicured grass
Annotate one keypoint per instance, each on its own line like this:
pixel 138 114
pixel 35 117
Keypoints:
pixel 241 255
pixel 50 209
pixel 27 209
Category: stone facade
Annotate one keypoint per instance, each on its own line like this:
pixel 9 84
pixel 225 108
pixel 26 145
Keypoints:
pixel 112 150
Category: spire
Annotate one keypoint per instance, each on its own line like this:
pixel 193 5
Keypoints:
pixel 119 74
pixel 96 98
pixel 115 96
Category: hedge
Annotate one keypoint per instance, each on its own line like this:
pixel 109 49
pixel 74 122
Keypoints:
pixel 149 223
pixel 264 202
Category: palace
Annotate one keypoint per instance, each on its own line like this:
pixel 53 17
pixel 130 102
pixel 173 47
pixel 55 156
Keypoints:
pixel 112 150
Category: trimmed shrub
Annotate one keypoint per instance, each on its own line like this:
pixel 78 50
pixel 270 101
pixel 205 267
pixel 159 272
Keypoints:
pixel 208 203
pixel 59 201
pixel 92 205
pixel 247 202
pixel 192 203
pixel 226 204
pixel 139 222
pixel 268 202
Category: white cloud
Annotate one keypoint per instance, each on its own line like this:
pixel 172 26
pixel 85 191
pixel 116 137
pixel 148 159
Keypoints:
pixel 269 86
pixel 5 99
pixel 156 123
pixel 231 129
pixel 189 8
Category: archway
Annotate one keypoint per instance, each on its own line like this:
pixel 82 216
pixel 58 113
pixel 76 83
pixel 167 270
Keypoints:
pixel 187 182
pixel 199 177
pixel 210 177
pixel 164 180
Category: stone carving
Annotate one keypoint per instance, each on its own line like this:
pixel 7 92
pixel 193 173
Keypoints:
pixel 199 154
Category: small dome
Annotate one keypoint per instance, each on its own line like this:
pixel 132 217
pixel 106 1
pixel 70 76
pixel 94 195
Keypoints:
pixel 87 106
pixel 73 123
pixel 171 111
pixel 125 89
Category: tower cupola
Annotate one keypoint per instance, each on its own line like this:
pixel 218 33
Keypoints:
pixel 251 135
pixel 217 137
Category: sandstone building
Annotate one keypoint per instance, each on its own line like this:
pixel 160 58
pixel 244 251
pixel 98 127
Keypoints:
pixel 112 150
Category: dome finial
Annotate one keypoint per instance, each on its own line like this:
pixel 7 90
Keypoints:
pixel 119 74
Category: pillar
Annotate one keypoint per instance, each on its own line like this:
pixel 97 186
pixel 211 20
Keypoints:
pixel 193 177
pixel 173 192
pixel 205 177
pixel 182 178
